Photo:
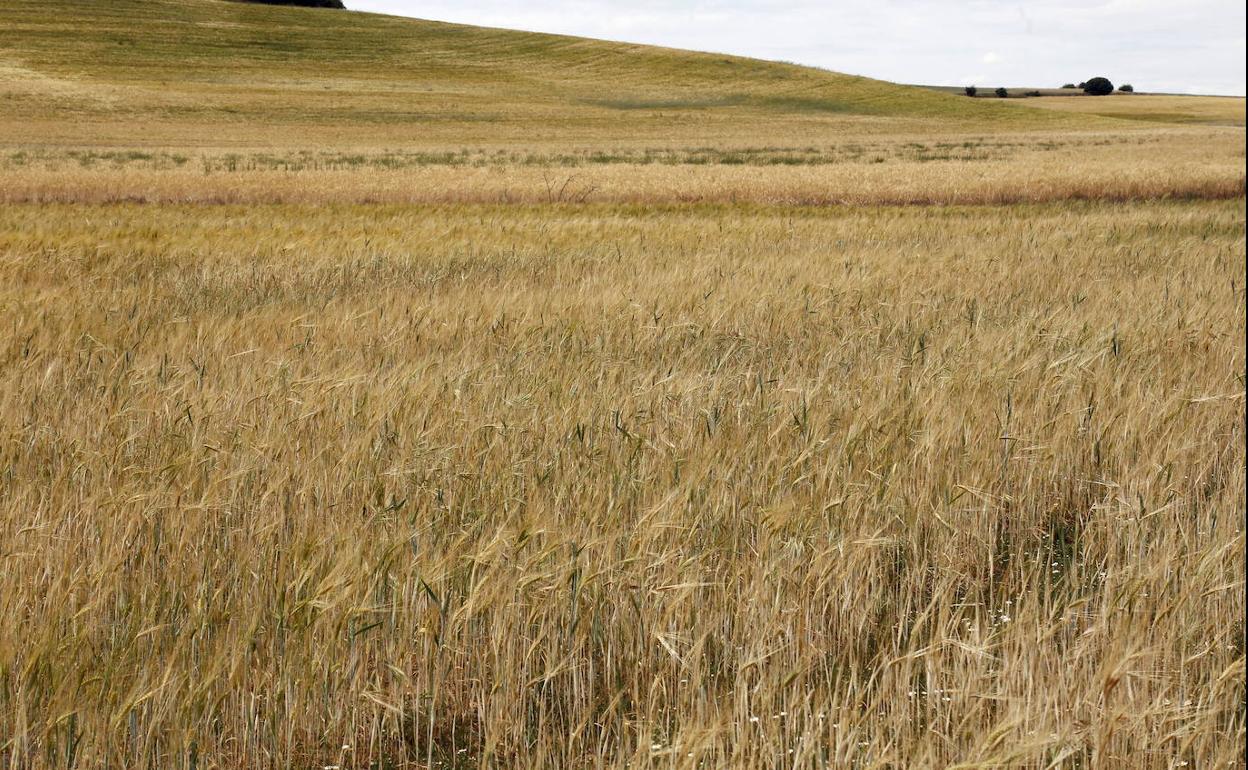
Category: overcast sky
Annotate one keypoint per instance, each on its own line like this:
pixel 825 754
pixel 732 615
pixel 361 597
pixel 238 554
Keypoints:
pixel 1194 46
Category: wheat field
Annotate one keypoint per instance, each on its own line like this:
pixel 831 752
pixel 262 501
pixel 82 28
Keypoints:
pixel 1168 163
pixel 602 486
pixel 748 421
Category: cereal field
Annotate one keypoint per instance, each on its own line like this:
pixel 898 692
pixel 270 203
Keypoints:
pixel 443 409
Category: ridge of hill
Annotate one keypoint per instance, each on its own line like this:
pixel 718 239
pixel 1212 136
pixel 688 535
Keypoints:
pixel 302 3
pixel 195 71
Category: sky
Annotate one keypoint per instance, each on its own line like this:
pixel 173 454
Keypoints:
pixel 1180 46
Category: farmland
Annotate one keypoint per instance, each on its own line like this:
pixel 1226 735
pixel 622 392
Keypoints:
pixel 377 393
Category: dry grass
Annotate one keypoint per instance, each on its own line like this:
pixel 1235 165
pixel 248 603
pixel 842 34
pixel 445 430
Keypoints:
pixel 1164 163
pixel 1206 110
pixel 613 486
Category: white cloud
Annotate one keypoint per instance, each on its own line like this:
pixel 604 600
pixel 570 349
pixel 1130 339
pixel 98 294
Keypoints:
pixel 1195 46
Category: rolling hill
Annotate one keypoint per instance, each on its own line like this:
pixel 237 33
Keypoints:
pixel 216 72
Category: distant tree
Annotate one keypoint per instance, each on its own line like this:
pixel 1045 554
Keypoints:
pixel 1126 88
pixel 1032 93
pixel 1070 85
pixel 1002 93
pixel 303 3
pixel 1082 85
pixel 971 90
pixel 1098 86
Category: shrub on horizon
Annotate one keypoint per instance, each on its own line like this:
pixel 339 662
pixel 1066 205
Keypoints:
pixel 1098 86
pixel 1126 88
pixel 971 90
pixel 1002 93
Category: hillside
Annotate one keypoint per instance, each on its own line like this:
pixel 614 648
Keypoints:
pixel 216 72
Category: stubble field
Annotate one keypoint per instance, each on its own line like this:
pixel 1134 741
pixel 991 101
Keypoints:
pixel 893 437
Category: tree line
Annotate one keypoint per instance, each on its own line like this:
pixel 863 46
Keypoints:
pixel 1097 86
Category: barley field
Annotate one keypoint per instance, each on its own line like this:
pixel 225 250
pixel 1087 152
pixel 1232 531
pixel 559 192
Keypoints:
pixel 691 426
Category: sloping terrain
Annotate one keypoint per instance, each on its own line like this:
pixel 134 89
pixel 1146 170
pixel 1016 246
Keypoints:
pixel 209 71
pixel 1153 108
pixel 220 101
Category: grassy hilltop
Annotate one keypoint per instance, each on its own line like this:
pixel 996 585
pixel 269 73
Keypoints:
pixel 160 71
